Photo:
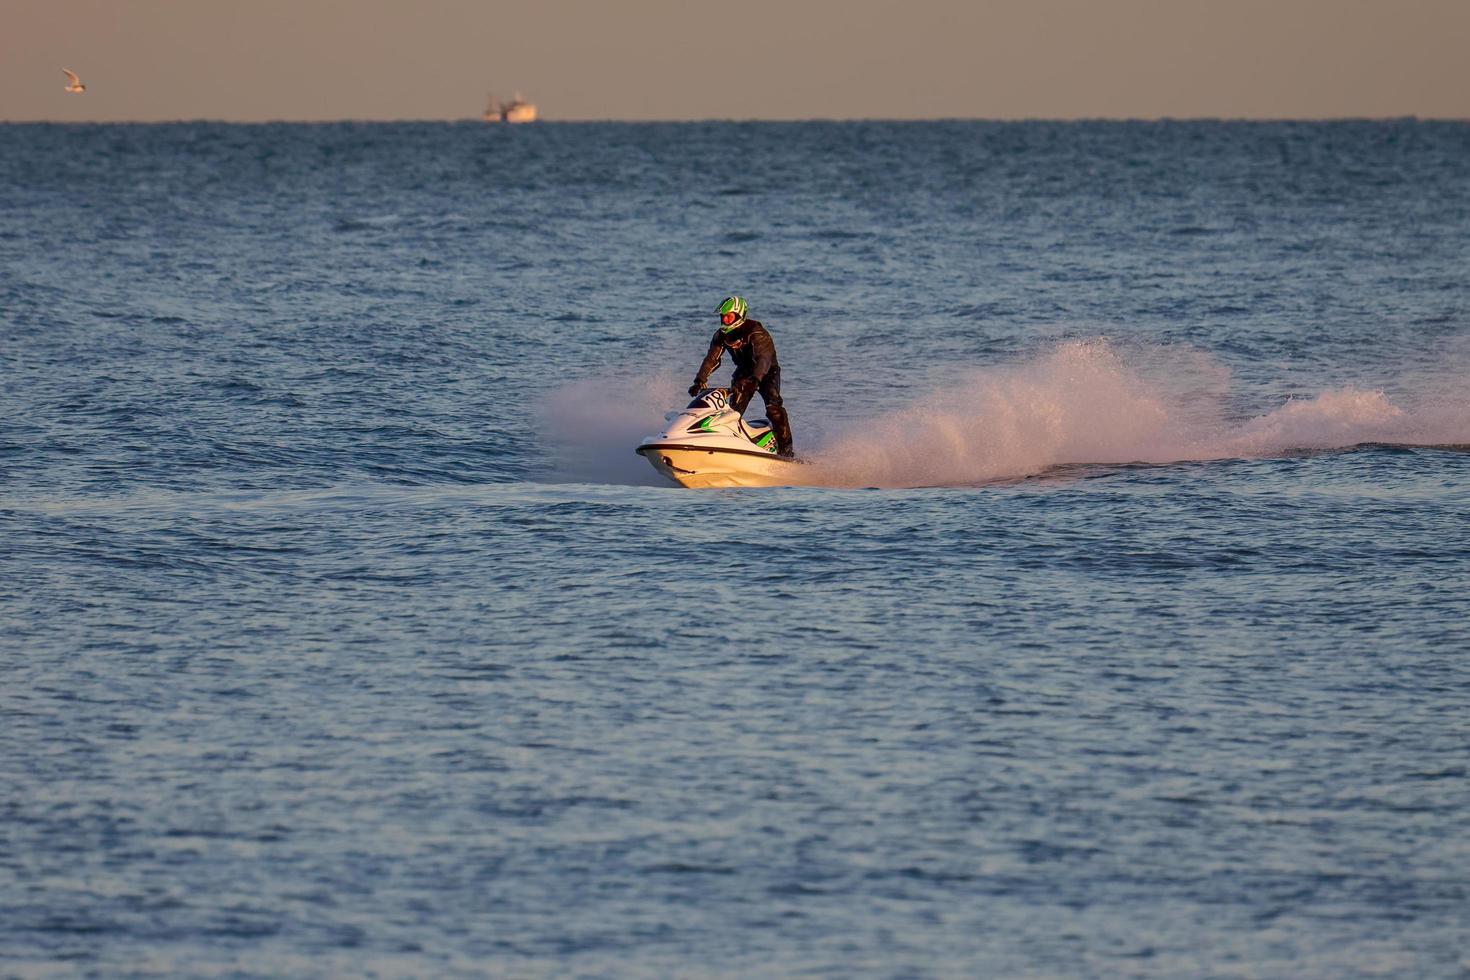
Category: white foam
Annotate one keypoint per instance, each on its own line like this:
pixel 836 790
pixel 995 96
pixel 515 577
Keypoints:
pixel 1084 401
pixel 590 428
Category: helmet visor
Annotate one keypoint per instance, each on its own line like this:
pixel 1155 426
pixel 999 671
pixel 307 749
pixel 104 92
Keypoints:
pixel 728 318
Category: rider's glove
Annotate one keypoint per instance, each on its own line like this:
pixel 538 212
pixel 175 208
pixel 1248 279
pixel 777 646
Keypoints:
pixel 694 388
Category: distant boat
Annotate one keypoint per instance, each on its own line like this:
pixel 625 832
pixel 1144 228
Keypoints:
pixel 517 110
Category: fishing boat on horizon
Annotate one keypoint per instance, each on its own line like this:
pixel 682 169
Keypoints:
pixel 517 110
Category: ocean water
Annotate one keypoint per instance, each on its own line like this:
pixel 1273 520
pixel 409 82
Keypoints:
pixel 1123 630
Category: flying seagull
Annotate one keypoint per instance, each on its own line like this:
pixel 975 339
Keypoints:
pixel 74 84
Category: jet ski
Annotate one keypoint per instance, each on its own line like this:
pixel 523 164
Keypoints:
pixel 709 444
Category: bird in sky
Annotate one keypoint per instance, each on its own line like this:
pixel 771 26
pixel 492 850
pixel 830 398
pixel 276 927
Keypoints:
pixel 74 84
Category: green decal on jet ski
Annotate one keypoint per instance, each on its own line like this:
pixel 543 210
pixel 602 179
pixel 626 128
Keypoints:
pixel 765 440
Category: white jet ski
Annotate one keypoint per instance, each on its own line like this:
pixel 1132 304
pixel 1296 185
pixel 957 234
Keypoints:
pixel 709 444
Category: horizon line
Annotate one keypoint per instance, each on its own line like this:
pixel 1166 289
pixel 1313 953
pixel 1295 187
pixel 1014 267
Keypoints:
pixel 1400 117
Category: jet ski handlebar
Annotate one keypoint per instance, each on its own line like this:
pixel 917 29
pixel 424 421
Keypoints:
pixel 711 398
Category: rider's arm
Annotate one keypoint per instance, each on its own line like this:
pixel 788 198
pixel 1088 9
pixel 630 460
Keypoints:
pixel 711 360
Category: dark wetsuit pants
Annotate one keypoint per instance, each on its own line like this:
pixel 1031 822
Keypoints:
pixel 770 389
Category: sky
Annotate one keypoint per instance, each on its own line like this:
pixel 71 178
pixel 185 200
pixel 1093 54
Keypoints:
pixel 257 60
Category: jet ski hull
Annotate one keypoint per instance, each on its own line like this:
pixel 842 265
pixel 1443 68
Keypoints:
pixel 703 467
pixel 709 444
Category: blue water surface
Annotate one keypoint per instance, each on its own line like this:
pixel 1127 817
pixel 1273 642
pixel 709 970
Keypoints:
pixel 342 633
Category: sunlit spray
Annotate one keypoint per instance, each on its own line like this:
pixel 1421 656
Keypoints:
pixel 1082 402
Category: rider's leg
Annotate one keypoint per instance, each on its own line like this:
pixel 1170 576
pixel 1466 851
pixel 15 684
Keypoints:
pixel 776 412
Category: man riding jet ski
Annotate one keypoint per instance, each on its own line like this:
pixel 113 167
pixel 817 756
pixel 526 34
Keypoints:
pixel 754 354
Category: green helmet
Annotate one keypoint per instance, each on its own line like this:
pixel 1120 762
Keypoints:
pixel 732 313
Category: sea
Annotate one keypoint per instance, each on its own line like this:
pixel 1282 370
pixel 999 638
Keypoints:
pixel 1120 627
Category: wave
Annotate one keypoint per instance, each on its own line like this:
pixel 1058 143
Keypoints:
pixel 1085 403
pixel 1082 402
